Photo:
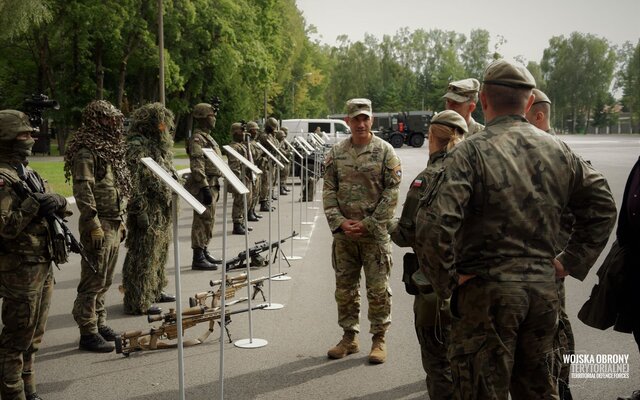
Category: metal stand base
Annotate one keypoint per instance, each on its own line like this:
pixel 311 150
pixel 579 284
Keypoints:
pixel 273 306
pixel 300 238
pixel 290 258
pixel 250 343
pixel 281 278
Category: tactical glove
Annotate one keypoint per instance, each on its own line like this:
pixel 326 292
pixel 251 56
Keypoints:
pixel 97 238
pixel 142 219
pixel 207 199
pixel 49 203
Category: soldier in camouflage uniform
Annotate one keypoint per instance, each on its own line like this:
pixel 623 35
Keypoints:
pixel 94 161
pixel 432 318
pixel 498 205
pixel 539 116
pixel 26 275
pixel 203 183
pixel 361 184
pixel 260 161
pixel 281 135
pixel 462 97
pixel 268 139
pixel 239 145
pixel 149 213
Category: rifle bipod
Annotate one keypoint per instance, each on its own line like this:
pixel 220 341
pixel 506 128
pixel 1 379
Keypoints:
pixel 133 341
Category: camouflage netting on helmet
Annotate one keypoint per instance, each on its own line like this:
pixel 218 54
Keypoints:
pixel 143 272
pixel 101 133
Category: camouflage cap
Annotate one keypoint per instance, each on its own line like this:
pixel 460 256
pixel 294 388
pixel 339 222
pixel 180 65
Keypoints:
pixel 463 91
pixel 540 97
pixel 356 107
pixel 12 123
pixel 506 73
pixel 203 110
pixel 236 126
pixel 451 119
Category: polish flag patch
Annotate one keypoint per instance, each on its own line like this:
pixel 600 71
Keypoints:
pixel 416 183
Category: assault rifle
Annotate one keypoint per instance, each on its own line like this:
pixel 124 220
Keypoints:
pixel 254 253
pixel 132 341
pixel 60 232
pixel 232 285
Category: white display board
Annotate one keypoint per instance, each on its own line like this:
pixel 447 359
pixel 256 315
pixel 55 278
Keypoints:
pixel 242 159
pixel 271 156
pixel 173 184
pixel 237 184
pixel 295 151
pixel 277 150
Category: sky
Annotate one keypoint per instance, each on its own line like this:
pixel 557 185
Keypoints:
pixel 526 26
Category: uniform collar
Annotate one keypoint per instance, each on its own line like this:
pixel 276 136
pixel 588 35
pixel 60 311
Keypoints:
pixel 504 118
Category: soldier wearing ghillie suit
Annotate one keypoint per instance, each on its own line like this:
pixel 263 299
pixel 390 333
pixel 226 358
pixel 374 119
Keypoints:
pixel 26 274
pixel 260 161
pixel 203 183
pixel 361 183
pixel 149 213
pixel 239 145
pixel 94 161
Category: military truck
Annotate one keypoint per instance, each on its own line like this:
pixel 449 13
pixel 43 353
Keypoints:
pixel 398 128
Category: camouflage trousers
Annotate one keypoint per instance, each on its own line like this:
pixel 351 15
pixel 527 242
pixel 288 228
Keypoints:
pixel 255 192
pixel 237 210
pixel 564 343
pixel 265 189
pixel 284 174
pixel 502 337
pixel 349 257
pixel 88 309
pixel 202 226
pixel 26 290
pixel 433 329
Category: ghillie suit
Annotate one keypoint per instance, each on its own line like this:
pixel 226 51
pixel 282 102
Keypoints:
pixel 149 211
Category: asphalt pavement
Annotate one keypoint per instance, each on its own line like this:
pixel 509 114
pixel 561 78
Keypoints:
pixel 293 365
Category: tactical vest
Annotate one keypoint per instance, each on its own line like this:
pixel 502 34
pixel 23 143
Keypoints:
pixel 33 243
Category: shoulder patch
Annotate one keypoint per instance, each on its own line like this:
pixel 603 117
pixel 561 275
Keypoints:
pixel 398 171
pixel 417 183
pixel 196 139
pixel 1 182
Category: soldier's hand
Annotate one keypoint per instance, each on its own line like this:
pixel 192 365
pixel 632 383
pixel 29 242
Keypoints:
pixel 142 220
pixel 462 278
pixel 123 232
pixel 97 238
pixel 207 199
pixel 350 228
pixel 560 271
pixel 49 203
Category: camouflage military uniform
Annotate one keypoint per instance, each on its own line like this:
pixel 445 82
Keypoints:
pixel 284 149
pixel 259 161
pixel 474 127
pixel 237 211
pixel 268 167
pixel 362 185
pixel 203 175
pixel 432 320
pixel 505 318
pixel 26 275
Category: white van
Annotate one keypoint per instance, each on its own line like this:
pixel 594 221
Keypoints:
pixel 335 129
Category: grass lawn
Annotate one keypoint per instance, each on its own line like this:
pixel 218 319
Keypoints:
pixel 53 171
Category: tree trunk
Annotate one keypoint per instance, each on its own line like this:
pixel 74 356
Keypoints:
pixel 99 71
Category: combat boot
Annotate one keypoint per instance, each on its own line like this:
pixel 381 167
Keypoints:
pixel 107 333
pixel 95 343
pixel 255 214
pixel 252 217
pixel 348 345
pixel 283 191
pixel 34 396
pixel 211 258
pixel 238 229
pixel 378 353
pixel 264 206
pixel 200 262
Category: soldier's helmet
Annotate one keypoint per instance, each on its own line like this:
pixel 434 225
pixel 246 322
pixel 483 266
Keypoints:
pixel 285 130
pixel 280 134
pixel 252 125
pixel 237 132
pixel 95 111
pixel 271 125
pixel 203 110
pixel 13 123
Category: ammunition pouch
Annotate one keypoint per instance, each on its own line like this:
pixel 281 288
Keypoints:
pixel 59 246
pixel 410 265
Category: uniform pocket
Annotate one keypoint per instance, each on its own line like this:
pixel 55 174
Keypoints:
pixel 470 367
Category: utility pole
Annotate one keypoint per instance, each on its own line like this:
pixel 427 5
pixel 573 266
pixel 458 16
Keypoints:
pixel 161 50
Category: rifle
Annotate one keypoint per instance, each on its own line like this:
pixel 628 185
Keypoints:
pixel 232 285
pixel 29 184
pixel 132 341
pixel 254 253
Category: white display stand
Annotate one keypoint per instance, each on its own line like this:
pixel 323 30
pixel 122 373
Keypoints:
pixel 293 194
pixel 310 149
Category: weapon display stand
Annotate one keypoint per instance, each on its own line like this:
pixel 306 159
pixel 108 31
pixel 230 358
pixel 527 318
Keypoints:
pixel 177 190
pixel 279 251
pixel 302 184
pixel 273 161
pixel 250 342
pixel 309 150
pixel 293 196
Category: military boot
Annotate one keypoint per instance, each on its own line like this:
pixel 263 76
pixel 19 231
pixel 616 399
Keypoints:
pixel 264 206
pixel 211 258
pixel 107 333
pixel 378 353
pixel 34 396
pixel 348 345
pixel 255 214
pixel 238 229
pixel 95 343
pixel 283 191
pixel 200 262
pixel 252 217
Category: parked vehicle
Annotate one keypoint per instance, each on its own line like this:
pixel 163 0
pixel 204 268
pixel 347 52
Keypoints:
pixel 334 129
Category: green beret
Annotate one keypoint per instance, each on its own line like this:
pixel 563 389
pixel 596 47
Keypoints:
pixel 540 97
pixel 356 107
pixel 463 91
pixel 451 119
pixel 506 73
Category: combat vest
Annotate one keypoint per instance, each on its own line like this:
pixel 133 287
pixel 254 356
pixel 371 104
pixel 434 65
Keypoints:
pixel 109 202
pixel 33 243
